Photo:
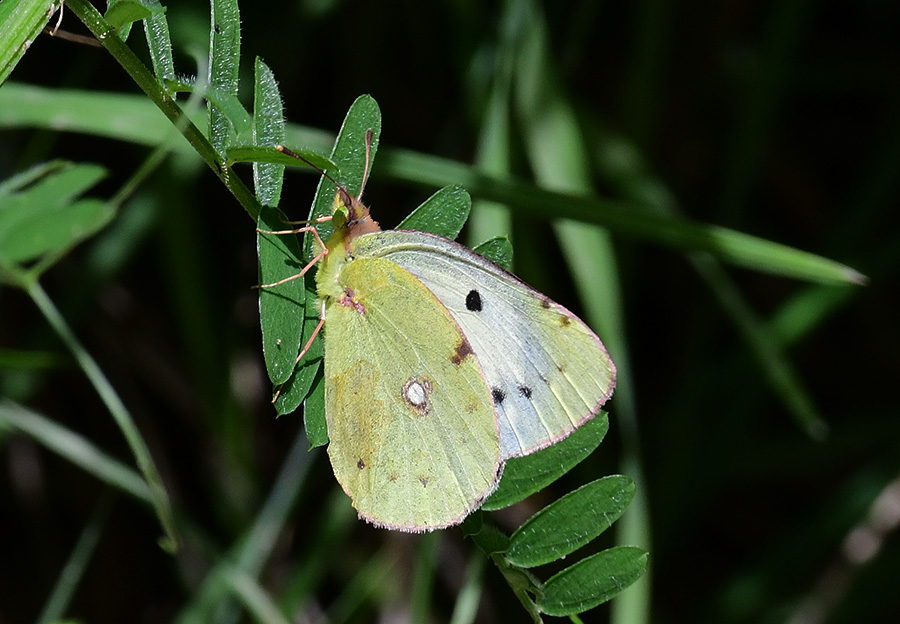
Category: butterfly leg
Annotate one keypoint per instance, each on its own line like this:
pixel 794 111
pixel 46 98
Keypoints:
pixel 317 220
pixel 319 256
pixel 298 230
pixel 313 337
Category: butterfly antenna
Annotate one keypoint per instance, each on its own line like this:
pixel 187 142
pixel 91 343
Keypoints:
pixel 293 154
pixel 369 135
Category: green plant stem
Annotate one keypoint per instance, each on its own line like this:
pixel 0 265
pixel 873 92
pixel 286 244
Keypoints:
pixel 518 580
pixel 116 408
pixel 148 83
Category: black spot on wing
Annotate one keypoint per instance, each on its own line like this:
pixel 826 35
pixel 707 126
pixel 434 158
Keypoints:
pixel 498 394
pixel 525 391
pixel 473 301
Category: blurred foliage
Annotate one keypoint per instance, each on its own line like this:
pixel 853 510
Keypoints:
pixel 754 410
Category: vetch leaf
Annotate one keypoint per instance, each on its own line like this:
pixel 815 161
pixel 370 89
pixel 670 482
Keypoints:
pixel 224 59
pixel 238 120
pixel 498 250
pixel 314 413
pixel 443 213
pixel 268 130
pixel 349 157
pixel 32 175
pixel 123 12
pixel 592 581
pixel 281 306
pixel 489 539
pixel 159 44
pixel 296 389
pixel 57 185
pixel 570 522
pixel 298 386
pixel 523 476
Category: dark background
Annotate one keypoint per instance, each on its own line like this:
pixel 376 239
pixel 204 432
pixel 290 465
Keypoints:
pixel 779 119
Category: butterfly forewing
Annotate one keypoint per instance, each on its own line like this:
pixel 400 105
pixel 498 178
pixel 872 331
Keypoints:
pixel 548 373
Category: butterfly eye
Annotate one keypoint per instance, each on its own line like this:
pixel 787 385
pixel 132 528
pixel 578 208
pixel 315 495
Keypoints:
pixel 473 301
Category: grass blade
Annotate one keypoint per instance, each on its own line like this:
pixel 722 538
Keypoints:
pixel 36 107
pixel 21 21
pixel 72 572
pixel 117 409
pixel 74 448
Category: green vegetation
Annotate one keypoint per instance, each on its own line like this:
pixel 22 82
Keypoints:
pixel 710 188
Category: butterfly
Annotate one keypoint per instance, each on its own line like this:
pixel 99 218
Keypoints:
pixel 439 366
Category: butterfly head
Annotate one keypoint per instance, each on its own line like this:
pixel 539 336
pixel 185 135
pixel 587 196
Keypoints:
pixel 350 214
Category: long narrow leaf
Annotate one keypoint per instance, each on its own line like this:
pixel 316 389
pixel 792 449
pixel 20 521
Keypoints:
pixel 21 21
pixel 250 552
pixel 280 307
pixel 117 410
pixel 58 602
pixel 268 130
pixel 75 448
pixel 44 108
pixel 224 64
pixel 156 29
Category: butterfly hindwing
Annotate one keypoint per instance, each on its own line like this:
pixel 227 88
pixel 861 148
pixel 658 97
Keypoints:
pixel 413 433
pixel 548 373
